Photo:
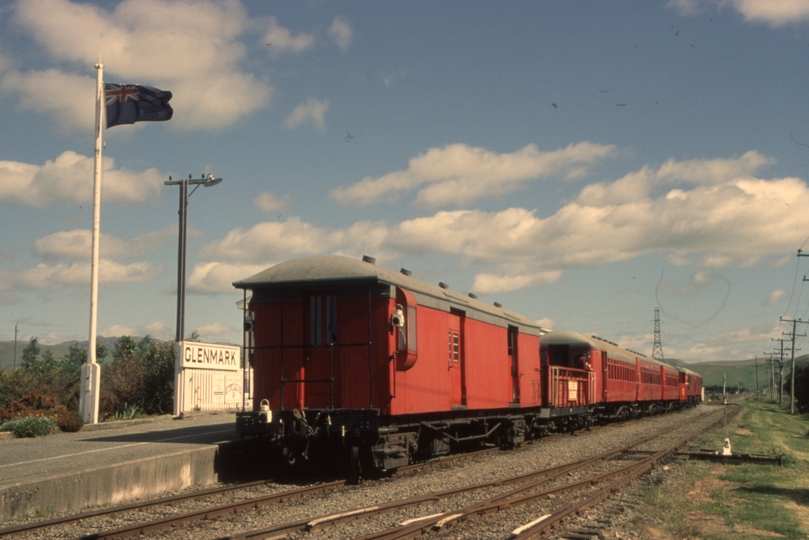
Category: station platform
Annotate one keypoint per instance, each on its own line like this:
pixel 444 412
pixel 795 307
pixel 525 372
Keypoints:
pixel 114 463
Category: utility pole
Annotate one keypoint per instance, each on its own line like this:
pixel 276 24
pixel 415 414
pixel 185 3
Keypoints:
pixel 781 370
pixel 793 335
pixel 771 382
pixel 15 347
pixel 203 181
pixel 756 377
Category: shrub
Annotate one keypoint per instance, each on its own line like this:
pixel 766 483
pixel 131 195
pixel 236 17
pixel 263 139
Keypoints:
pixel 32 404
pixel 29 426
pixel 69 421
pixel 128 412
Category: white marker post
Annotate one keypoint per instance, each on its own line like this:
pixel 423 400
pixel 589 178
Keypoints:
pixel 90 387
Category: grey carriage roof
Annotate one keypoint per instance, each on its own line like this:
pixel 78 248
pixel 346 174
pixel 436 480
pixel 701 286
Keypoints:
pixel 331 268
pixel 566 337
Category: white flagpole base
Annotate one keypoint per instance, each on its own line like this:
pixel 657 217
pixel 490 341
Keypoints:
pixel 90 392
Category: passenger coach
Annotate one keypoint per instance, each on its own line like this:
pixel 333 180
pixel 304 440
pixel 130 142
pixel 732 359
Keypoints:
pixel 380 368
pixel 624 383
pixel 353 358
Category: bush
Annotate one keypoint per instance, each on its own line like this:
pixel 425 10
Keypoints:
pixel 69 421
pixel 32 404
pixel 128 412
pixel 29 426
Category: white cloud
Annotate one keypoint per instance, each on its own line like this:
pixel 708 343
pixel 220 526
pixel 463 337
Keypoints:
pixel 61 276
pixel 280 39
pixel 714 221
pixel 157 330
pixel 218 277
pixel 491 283
pixel 639 185
pixel 547 323
pixel 773 12
pixel 312 112
pixel 273 241
pixel 140 42
pixel 210 332
pixel 70 178
pixel 76 245
pixel 458 174
pixel 340 31
pixel 775 297
pixel 72 106
pixel 269 202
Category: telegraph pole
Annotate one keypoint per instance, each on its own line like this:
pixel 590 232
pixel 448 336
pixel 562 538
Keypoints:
pixel 771 381
pixel 756 359
pixel 781 370
pixel 15 347
pixel 203 181
pixel 793 335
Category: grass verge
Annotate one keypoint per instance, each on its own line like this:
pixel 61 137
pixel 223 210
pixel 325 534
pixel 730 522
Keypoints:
pixel 715 501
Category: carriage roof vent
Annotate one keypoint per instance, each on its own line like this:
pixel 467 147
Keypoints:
pixel 443 285
pixel 472 295
pixel 368 259
pixel 405 271
pixel 498 304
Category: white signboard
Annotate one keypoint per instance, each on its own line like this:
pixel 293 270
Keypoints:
pixel 208 377
pixel 207 356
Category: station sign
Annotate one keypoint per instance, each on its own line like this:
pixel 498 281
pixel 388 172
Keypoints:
pixel 208 377
pixel 209 356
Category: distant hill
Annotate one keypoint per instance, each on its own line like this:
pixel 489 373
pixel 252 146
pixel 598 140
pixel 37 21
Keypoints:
pixel 58 351
pixel 677 363
pixel 740 372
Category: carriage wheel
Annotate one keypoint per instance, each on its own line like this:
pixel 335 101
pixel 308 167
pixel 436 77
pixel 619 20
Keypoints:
pixel 354 467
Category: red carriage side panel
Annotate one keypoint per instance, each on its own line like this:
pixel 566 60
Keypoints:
pixel 528 369
pixel 424 387
pixel 682 385
pixel 621 381
pixel 671 390
pixel 650 387
pixel 598 363
pixel 488 366
pixel 456 358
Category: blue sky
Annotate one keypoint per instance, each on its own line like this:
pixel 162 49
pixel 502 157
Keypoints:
pixel 582 163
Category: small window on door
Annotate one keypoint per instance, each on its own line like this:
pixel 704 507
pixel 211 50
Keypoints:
pixel 322 320
pixel 454 347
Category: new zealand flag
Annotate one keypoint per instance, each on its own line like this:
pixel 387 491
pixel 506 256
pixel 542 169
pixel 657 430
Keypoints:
pixel 130 103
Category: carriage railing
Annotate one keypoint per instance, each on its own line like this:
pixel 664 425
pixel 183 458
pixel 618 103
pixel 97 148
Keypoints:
pixel 330 380
pixel 571 387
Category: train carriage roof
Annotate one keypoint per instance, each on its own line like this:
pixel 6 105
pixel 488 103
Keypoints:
pixel 575 339
pixel 322 269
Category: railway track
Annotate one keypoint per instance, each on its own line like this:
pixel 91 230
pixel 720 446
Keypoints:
pixel 40 527
pixel 528 490
pixel 511 491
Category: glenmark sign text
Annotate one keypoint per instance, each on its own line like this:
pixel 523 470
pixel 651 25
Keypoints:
pixel 208 356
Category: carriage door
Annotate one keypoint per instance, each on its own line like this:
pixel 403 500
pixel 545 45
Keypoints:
pixel 512 360
pixel 455 359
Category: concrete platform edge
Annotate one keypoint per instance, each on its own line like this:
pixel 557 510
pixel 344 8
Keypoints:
pixel 116 484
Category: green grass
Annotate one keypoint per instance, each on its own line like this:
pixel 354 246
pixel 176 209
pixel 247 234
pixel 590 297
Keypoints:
pixel 745 501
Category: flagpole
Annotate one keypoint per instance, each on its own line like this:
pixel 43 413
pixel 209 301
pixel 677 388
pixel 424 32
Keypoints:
pixel 91 371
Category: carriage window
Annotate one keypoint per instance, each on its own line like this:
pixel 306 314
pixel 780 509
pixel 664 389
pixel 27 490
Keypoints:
pixel 322 320
pixel 454 347
pixel 411 329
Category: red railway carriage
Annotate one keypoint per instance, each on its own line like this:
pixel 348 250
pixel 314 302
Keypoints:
pixel 619 383
pixel 351 357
